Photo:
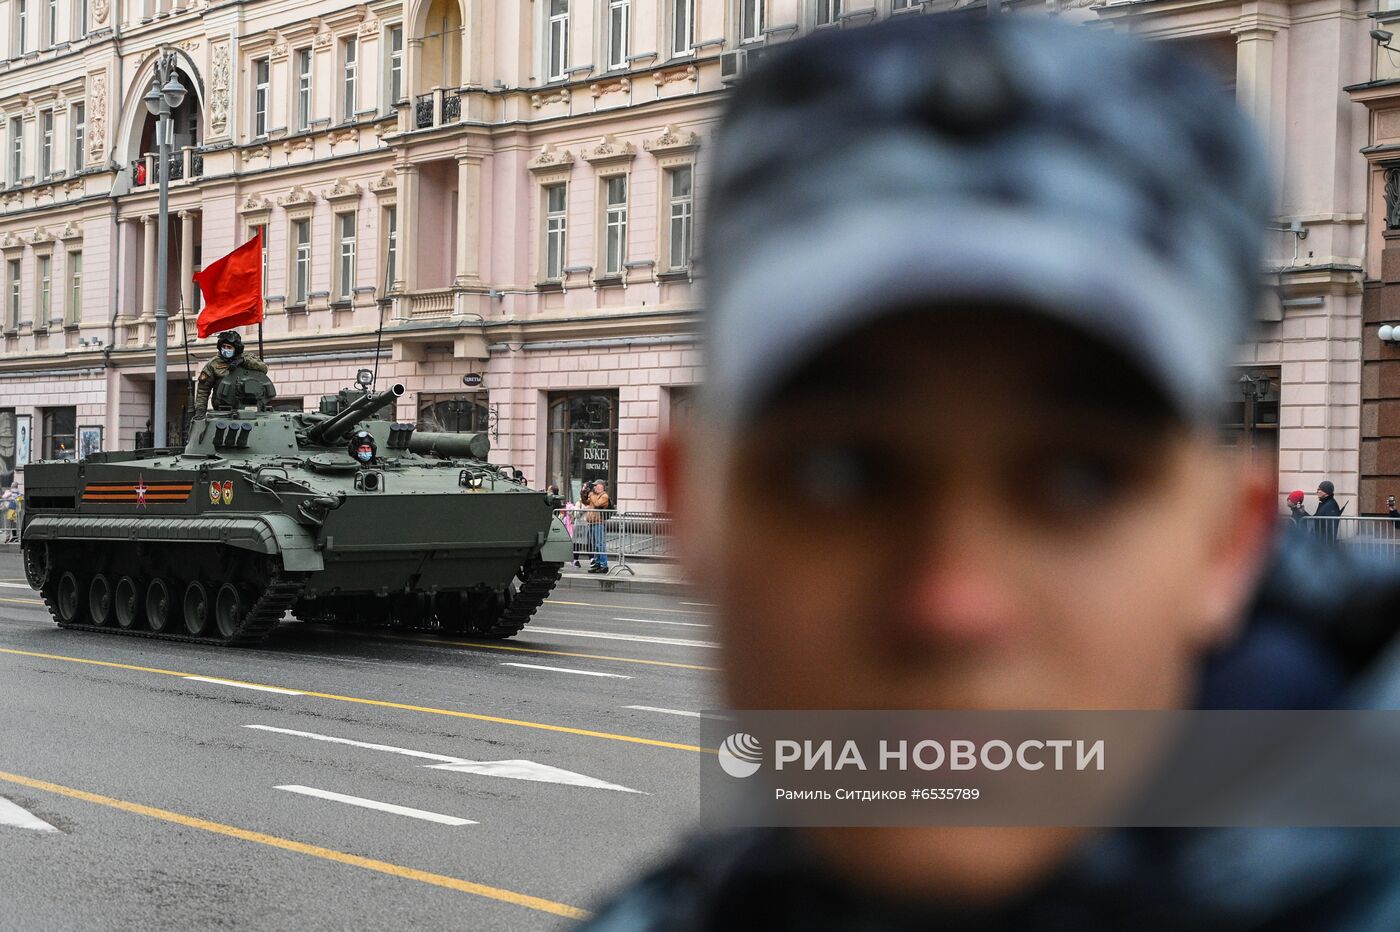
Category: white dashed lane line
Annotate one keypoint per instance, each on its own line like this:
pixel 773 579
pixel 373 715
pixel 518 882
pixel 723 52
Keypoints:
pixel 651 708
pixel 535 666
pixel 261 689
pixel 614 636
pixel 17 816
pixel 654 621
pixel 409 811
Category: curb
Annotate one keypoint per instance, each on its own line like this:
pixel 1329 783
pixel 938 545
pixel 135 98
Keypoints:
pixel 625 583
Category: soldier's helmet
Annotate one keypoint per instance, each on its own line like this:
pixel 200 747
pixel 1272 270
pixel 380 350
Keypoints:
pixel 362 446
pixel 232 338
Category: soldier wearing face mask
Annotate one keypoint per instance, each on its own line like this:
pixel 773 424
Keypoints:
pixel 230 354
pixel 362 447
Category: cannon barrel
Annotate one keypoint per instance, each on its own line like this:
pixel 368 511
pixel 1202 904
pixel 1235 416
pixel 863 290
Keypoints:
pixel 331 429
pixel 467 446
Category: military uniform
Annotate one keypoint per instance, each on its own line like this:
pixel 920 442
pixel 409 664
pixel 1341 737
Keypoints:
pixel 214 370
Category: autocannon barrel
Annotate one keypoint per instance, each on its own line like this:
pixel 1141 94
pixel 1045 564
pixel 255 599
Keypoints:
pixel 452 446
pixel 331 429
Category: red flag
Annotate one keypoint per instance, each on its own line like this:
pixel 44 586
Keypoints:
pixel 232 289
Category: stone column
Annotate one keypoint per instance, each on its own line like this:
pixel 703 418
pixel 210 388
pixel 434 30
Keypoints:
pixel 148 269
pixel 186 266
pixel 1254 73
pixel 468 220
pixel 407 262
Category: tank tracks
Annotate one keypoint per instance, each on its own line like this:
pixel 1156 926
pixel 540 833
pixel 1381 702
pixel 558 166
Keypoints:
pixel 282 591
pixel 536 584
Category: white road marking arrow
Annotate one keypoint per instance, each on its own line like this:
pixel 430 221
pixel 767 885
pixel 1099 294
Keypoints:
pixel 509 769
pixel 19 817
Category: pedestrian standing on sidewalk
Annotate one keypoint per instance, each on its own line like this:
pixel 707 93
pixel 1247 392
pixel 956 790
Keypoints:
pixel 1296 511
pixel 1327 509
pixel 598 504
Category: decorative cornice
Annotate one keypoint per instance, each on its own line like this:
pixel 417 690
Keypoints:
pixel 11 243
pixel 71 231
pixel 297 197
pixel 255 204
pixel 609 150
pixel 342 190
pixel 673 141
pixel 607 87
pixel 550 159
pixel 41 236
pixel 560 96
pixel 384 184
pixel 257 152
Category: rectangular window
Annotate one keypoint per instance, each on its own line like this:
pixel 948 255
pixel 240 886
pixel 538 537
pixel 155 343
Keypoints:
pixel 74 310
pixel 50 23
pixel 45 143
pixel 615 225
pixel 395 64
pixel 556 202
pixel 349 54
pixel 21 27
pixel 262 72
pixel 558 44
pixel 45 264
pixel 902 4
pixel 619 32
pixel 301 261
pixel 751 15
pixel 682 27
pixel 77 119
pixel 60 427
pixel 682 212
pixel 391 247
pixel 828 12
pixel 303 89
pixel 12 276
pixel 16 151
pixel 345 268
pixel 253 231
pixel 81 14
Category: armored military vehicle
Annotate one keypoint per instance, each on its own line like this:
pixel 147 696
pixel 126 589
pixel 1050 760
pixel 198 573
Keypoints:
pixel 268 511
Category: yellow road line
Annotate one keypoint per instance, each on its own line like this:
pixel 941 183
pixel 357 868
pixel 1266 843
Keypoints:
pixel 630 608
pixel 315 851
pixel 381 703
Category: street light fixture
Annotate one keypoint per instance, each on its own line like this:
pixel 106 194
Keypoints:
pixel 166 94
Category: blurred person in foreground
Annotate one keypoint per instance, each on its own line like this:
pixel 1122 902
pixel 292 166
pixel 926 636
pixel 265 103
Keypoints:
pixel 995 255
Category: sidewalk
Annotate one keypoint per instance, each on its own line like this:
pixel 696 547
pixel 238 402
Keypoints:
pixel 663 578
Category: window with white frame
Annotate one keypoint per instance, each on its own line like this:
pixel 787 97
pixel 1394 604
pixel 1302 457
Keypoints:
pixel 16 150
pixel 349 74
pixel 253 230
pixel 682 27
pixel 751 20
pixel 44 266
pixel 391 246
pixel 345 266
pixel 614 225
pixel 45 143
pixel 557 46
pixel 77 120
pixel 80 18
pixel 262 76
pixel 20 43
pixel 303 59
pixel 903 4
pixel 50 37
pixel 828 12
pixel 14 281
pixel 619 33
pixel 301 260
pixel 394 69
pixel 73 311
pixel 556 204
pixel 680 216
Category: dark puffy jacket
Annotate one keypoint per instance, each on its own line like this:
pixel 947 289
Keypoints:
pixel 1318 629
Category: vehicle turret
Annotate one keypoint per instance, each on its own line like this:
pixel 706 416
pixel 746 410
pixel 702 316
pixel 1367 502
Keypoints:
pixel 329 431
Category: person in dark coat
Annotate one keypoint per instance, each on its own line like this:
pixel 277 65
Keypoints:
pixel 894 298
pixel 1327 509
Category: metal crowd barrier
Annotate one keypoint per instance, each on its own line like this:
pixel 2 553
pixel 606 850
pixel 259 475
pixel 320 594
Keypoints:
pixel 1377 538
pixel 619 537
pixel 11 519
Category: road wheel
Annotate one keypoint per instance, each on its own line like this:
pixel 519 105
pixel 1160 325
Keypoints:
pixel 229 606
pixel 196 605
pixel 70 599
pixel 100 599
pixel 160 612
pixel 131 608
pixel 38 565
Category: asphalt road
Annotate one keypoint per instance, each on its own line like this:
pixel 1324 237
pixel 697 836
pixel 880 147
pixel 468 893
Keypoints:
pixel 259 800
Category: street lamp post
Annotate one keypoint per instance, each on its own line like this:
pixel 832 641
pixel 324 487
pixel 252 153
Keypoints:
pixel 166 95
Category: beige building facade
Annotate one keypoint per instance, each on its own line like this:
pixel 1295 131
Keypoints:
pixel 456 192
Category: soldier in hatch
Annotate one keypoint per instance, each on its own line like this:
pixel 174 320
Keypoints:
pixel 230 354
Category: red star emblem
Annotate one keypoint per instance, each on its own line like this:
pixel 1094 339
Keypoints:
pixel 140 492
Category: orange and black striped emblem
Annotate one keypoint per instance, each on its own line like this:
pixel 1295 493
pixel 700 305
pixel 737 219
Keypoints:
pixel 139 493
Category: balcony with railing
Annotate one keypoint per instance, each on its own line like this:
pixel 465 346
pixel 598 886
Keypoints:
pixel 438 107
pixel 186 165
